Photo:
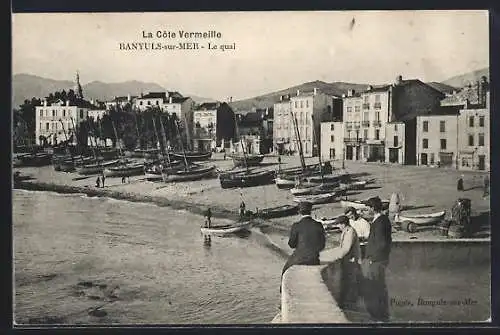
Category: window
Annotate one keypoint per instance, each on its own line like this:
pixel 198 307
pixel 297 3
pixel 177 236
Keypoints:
pixel 443 144
pixel 41 113
pixel 395 127
pixel 377 116
pixel 481 121
pixel 349 109
pixel 53 113
pixel 365 133
pixel 296 104
pixel 332 138
pixel 331 127
pixel 357 109
pixel 47 126
pixel 81 113
pixel 157 102
pixel 395 141
pixel 481 140
pixel 307 103
pixel 332 153
pixel 377 134
pixel 366 116
pixel 149 103
pixel 140 103
pixel 64 113
pixel 425 143
pixel 471 121
pixel 471 140
pixel 425 126
pixel 442 126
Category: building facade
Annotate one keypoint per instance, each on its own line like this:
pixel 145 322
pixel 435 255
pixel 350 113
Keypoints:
pixel 121 101
pixel 332 140
pixel 214 125
pixel 283 128
pixel 96 113
pixel 56 121
pixel 395 142
pixel 437 140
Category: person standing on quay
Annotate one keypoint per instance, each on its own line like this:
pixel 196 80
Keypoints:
pixel 307 237
pixel 375 262
pixel 349 254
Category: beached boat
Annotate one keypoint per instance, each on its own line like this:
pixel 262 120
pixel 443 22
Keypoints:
pixel 35 159
pixel 246 160
pixel 421 218
pixel 145 153
pixel 316 189
pixel 277 212
pixel 284 184
pixel 225 229
pixel 193 173
pixel 356 185
pixel 246 179
pixel 124 170
pixel 192 156
pixel 327 178
pixel 361 204
pixel 96 168
pixel 316 198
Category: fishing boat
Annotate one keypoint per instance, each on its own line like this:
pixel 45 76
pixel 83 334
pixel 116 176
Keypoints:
pixel 316 199
pixel 192 156
pixel 361 204
pixel 95 168
pixel 145 153
pixel 35 159
pixel 429 218
pixel 249 160
pixel 124 170
pixel 246 179
pixel 327 178
pixel 316 189
pixel 153 172
pixel 284 184
pixel 192 173
pixel 355 185
pixel 277 212
pixel 223 230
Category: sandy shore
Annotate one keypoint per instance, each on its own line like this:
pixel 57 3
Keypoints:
pixel 422 189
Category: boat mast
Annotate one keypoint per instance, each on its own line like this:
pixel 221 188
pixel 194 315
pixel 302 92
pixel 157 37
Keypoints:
pixel 157 139
pixel 138 144
pixel 67 143
pixel 76 137
pixel 297 135
pixel 244 154
pixel 182 145
pixel 164 136
pixel 319 153
pixel 116 136
pixel 91 147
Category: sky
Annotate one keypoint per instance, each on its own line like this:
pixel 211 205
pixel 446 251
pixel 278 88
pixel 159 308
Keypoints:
pixel 274 50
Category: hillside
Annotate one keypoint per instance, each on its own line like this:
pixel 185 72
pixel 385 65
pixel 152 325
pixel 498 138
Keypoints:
pixel 464 79
pixel 26 86
pixel 267 100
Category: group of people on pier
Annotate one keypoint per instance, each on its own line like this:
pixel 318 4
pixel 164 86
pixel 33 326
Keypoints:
pixel 363 253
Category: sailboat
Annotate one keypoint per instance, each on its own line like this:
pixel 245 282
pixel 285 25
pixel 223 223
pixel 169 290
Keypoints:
pixel 246 177
pixel 190 171
pixel 189 156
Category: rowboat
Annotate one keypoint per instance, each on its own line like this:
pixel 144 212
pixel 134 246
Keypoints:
pixel 316 198
pixel 225 229
pixel 356 185
pixel 319 189
pixel 96 167
pixel 246 179
pixel 276 212
pixel 249 160
pixel 328 178
pixel 193 173
pixel 421 218
pixel 124 170
pixel 297 170
pixel 284 184
pixel 153 172
pixel 361 204
pixel 192 156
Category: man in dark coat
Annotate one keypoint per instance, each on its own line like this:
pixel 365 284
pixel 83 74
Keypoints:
pixel 375 262
pixel 307 237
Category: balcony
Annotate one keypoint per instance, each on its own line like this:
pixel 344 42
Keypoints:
pixel 377 123
pixel 365 123
pixel 353 140
pixel 375 141
pixel 366 106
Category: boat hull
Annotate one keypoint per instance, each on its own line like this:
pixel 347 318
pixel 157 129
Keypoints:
pixel 284 184
pixel 316 199
pixel 127 171
pixel 249 161
pixel 277 212
pixel 246 179
pixel 360 205
pixel 422 219
pixel 225 230
pixel 190 175
pixel 192 157
pixel 95 168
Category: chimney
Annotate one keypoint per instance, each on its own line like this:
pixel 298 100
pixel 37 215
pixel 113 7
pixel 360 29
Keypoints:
pixel 399 79
pixel 315 91
pixel 170 100
pixel 350 93
pixel 298 92
pixel 128 97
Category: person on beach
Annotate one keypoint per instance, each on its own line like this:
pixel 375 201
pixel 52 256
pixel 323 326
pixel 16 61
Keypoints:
pixel 242 209
pixel 224 155
pixel 208 218
pixel 375 262
pixel 123 180
pixel 349 254
pixel 98 182
pixel 103 178
pixel 460 183
pixel 307 237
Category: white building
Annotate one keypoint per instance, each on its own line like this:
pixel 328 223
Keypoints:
pixel 332 140
pixel 96 113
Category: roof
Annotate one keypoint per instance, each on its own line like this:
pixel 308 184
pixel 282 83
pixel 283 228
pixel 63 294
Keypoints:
pixel 208 106
pixel 176 100
pixel 154 95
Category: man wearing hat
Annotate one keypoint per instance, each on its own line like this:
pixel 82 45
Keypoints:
pixel 375 262
pixel 349 254
pixel 307 237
